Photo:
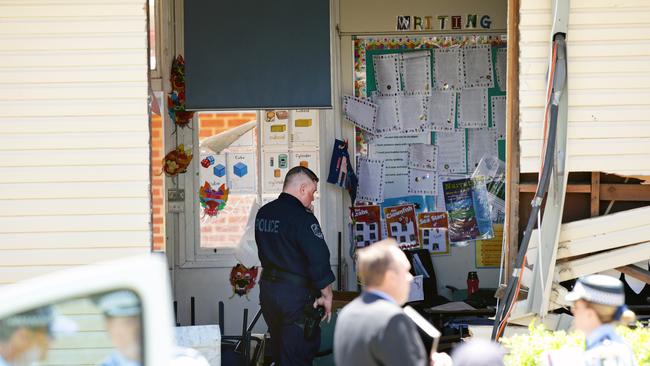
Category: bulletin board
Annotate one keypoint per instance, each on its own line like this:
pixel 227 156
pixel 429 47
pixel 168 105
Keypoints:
pixel 462 78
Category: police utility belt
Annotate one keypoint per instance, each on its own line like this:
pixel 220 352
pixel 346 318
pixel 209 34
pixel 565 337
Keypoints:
pixel 276 275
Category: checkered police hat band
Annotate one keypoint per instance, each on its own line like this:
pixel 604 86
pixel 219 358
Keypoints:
pixel 599 295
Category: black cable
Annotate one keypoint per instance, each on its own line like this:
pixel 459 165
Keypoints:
pixel 558 83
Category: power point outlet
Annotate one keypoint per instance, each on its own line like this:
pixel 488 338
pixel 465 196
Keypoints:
pixel 175 195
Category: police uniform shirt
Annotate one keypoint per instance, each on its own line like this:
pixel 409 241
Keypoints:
pixel 290 239
pixel 605 347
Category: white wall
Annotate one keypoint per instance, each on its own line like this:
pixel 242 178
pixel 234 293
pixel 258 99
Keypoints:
pixel 74 143
pixel 608 45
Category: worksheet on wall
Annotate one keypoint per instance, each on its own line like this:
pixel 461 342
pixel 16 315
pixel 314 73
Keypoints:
pixel 388 115
pixel 473 108
pixel 393 150
pixel 371 180
pixel 387 76
pixel 501 68
pixel 423 156
pixel 448 68
pixel 477 66
pixel 499 115
pixel 275 127
pixel 480 142
pixel 361 112
pixel 241 172
pixel 416 71
pixel 303 129
pixel 412 112
pixel 441 110
pixel 451 152
pixel 422 181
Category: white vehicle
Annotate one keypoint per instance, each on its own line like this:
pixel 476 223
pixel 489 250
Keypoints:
pixel 100 314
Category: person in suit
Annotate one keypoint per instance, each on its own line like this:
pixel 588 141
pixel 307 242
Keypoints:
pixel 373 329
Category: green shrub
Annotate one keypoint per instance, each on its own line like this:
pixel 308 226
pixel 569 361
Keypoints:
pixel 526 349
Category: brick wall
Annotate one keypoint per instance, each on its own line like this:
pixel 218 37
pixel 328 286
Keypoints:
pixel 228 227
pixel 157 183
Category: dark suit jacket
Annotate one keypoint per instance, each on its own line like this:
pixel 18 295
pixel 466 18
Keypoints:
pixel 374 331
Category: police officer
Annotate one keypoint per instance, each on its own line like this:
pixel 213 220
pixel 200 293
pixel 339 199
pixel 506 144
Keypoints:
pixel 25 337
pixel 296 273
pixel 598 304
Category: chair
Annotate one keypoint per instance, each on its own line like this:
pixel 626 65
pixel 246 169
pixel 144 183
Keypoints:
pixel 431 296
pixel 236 350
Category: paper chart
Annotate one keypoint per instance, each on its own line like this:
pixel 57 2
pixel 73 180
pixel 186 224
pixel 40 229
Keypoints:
pixel 473 108
pixel 477 66
pixel 441 110
pixel 361 112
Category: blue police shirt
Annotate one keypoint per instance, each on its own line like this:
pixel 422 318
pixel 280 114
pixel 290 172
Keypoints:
pixel 290 239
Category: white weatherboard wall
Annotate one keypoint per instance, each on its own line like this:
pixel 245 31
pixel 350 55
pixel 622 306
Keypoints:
pixel 608 46
pixel 74 142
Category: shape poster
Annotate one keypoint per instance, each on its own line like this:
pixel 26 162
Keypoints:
pixel 304 128
pixel 275 128
pixel 213 169
pixel 394 151
pixel 433 232
pixel 241 172
pixel 275 165
pixel 367 225
pixel 488 252
pixel 402 225
pixel 307 159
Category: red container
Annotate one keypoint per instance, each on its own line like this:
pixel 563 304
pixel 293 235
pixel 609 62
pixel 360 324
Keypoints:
pixel 472 283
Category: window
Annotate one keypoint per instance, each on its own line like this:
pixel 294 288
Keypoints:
pixel 252 167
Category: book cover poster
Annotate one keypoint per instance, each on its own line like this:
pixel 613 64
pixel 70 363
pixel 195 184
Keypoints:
pixel 401 224
pixel 366 225
pixel 460 208
pixel 433 232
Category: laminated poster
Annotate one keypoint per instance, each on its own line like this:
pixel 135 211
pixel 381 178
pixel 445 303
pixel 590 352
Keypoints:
pixel 468 209
pixel 275 127
pixel 241 172
pixel 433 232
pixel 213 169
pixel 499 115
pixel 367 225
pixel 422 181
pixel 275 165
pixel 488 252
pixel 402 225
pixel 304 128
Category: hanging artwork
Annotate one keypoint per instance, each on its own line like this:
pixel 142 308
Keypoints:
pixel 242 280
pixel 176 161
pixel 213 200
pixel 176 99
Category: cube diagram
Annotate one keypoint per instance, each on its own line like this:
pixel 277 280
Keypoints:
pixel 240 169
pixel 219 170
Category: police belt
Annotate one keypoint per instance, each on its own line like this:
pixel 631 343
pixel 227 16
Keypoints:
pixel 276 275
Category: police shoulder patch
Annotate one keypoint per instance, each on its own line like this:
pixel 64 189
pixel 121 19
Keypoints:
pixel 315 228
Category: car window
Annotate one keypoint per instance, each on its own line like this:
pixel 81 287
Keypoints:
pixel 100 329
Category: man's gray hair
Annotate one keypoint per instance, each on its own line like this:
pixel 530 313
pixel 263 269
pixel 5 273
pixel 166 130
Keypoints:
pixel 375 260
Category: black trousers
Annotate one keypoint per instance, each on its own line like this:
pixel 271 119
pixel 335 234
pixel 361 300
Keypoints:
pixel 282 308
